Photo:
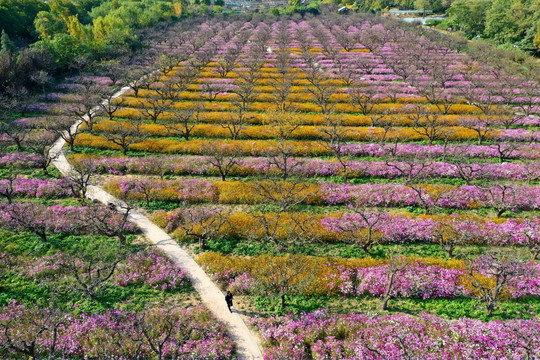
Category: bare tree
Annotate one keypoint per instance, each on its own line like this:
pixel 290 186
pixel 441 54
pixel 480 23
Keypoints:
pixel 505 151
pixel 400 60
pixel 499 269
pixel 235 122
pixel 428 124
pixel 211 89
pixel 372 38
pixel 528 336
pixel 281 156
pixel 89 269
pixel 482 125
pixel 464 168
pixel 64 127
pixel 245 87
pixel 166 64
pixel 281 86
pixel 452 231
pixel 183 77
pixel 28 217
pixel 278 197
pixel 80 175
pixel 442 98
pixel 283 59
pixel 502 197
pixel 396 264
pixel 113 222
pixel 224 157
pixel 164 331
pixel 85 108
pixel 41 144
pixel 155 107
pixel 15 131
pixel 363 97
pixel 344 38
pixel 226 63
pixel 384 122
pixel 282 276
pixel 366 64
pixel 531 232
pixel 334 135
pixel 345 69
pixel 114 70
pixel 283 195
pixel 182 122
pixel 34 332
pixel 321 88
pixel 361 227
pixel 136 79
pixel 202 224
pixel 7 186
pixel 532 171
pixel 124 133
pixel 110 104
pixel 412 169
pixel 127 339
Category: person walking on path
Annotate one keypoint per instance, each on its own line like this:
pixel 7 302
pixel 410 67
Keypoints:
pixel 228 300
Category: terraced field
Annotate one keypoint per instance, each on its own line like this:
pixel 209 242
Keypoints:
pixel 377 183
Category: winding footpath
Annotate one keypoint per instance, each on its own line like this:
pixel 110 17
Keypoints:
pixel 212 297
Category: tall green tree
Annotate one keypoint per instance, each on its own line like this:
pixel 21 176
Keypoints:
pixel 468 16
pixel 17 16
pixel 6 44
pixel 499 23
pixel 536 40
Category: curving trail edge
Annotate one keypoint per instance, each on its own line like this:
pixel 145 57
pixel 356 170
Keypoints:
pixel 212 297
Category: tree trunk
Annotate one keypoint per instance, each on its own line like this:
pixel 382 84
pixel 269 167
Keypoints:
pixel 121 237
pixel 42 235
pixel 490 306
pixel 384 302
pixel 450 251
pixel 386 297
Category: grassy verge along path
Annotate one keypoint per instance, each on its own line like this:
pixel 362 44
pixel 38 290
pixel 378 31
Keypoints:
pixel 213 298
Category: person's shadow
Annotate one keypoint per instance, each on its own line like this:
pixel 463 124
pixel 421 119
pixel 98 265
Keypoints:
pixel 245 313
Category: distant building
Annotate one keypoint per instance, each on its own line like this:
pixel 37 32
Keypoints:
pixel 242 5
pixel 409 12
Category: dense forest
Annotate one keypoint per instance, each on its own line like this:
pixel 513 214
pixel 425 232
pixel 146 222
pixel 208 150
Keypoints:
pixel 514 22
pixel 63 33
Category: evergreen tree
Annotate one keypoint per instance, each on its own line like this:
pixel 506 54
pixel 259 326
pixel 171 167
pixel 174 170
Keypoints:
pixel 6 44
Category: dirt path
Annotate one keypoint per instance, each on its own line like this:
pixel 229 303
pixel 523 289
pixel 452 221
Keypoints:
pixel 211 296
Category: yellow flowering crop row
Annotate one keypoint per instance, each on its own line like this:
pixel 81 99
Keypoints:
pixel 307 132
pixel 303 118
pixel 267 96
pixel 197 146
pixel 303 107
pixel 218 263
